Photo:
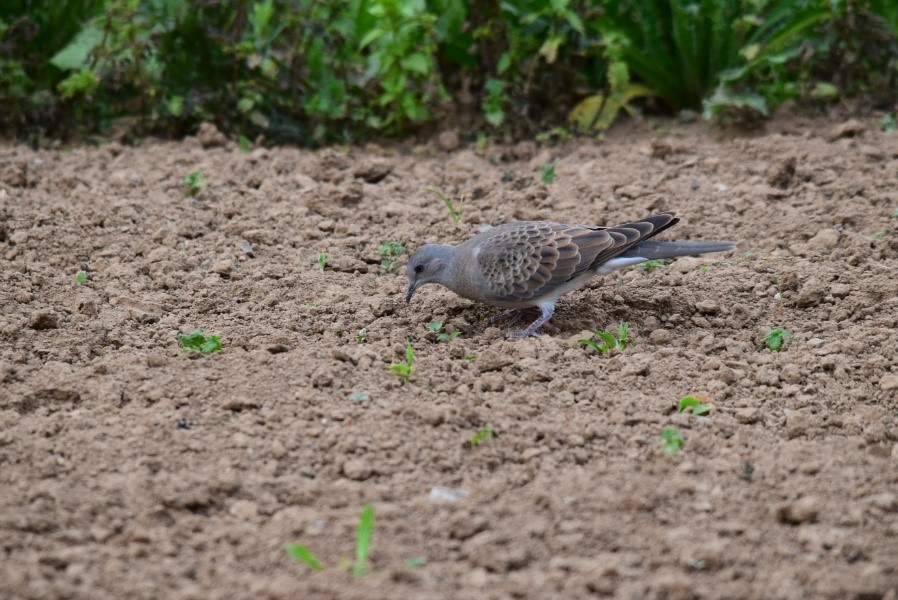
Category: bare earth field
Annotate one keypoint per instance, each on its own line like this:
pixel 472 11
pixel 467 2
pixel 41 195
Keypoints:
pixel 129 469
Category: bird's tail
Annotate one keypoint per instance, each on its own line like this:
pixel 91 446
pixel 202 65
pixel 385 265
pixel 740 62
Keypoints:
pixel 652 250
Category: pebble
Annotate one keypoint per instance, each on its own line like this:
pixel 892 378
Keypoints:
pixel 357 469
pixel 803 510
pixel 660 336
pixel 889 382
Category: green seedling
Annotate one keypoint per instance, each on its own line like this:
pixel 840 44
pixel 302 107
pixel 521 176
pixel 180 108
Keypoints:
pixel 362 336
pixel 671 441
pixel 363 540
pixel 244 143
pixel 80 277
pixel 362 546
pixel 607 340
pixel 879 236
pixel 416 562
pixel 469 357
pixel 889 123
pixel 484 434
pixel 481 144
pixel 442 336
pixel 703 269
pixel 403 370
pixel 388 252
pixel 694 403
pixel 895 214
pixel 359 396
pixel 322 261
pixel 560 133
pixel 193 183
pixel 650 265
pixel 547 173
pixel 196 341
pixel 454 211
pixel 776 339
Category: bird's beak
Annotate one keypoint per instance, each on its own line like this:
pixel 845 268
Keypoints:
pixel 412 286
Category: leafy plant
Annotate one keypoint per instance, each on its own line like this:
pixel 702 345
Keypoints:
pixel 442 336
pixel 322 261
pixel 547 173
pixel 650 265
pixel 695 404
pixel 469 357
pixel 80 277
pixel 359 396
pixel 776 339
pixel 671 441
pixel 608 341
pixel 364 531
pixel 484 434
pixel 454 211
pixel 404 369
pixel 196 341
pixel 193 184
pixel 362 336
pixel 388 252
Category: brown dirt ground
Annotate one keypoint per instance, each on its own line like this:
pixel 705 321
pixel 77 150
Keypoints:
pixel 131 470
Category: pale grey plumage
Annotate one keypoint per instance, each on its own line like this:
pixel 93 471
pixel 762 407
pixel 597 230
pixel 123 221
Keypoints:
pixel 533 263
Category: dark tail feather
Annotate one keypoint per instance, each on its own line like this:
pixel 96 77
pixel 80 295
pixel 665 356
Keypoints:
pixel 651 250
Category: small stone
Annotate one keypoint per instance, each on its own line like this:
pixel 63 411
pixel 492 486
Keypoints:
pixel 448 141
pixel 660 336
pixel 222 267
pixel 244 509
pixel 531 453
pixel 886 501
pixel 209 136
pixel 706 307
pixel 636 368
pixel 888 382
pixel 767 376
pixel 43 320
pixel 781 173
pixel 803 510
pixel 823 242
pixel 850 128
pixel 492 383
pixel 357 469
pixel 156 360
pixel 748 416
pixel 811 293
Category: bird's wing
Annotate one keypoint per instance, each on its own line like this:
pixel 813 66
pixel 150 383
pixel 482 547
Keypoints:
pixel 522 261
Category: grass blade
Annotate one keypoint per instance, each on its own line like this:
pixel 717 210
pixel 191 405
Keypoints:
pixel 363 539
pixel 304 555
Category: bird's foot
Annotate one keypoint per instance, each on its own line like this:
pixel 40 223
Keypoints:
pixel 520 334
pixel 530 330
pixel 511 316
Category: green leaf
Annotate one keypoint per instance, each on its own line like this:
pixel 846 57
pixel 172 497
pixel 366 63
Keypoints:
pixel 304 555
pixel 416 63
pixel 359 396
pixel 435 326
pixel 363 540
pixel 80 277
pixel 504 63
pixel 483 434
pixel 74 56
pixel 370 37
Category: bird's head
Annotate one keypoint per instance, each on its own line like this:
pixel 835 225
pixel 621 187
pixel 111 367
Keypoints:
pixel 429 264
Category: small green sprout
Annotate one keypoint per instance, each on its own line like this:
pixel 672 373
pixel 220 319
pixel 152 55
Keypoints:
pixel 193 183
pixel 607 340
pixel 703 269
pixel 359 396
pixel 484 434
pixel 469 357
pixel 304 555
pixel 403 370
pixel 895 214
pixel 244 143
pixel 694 403
pixel 442 336
pixel 362 336
pixel 80 277
pixel 416 562
pixel 671 441
pixel 454 211
pixel 322 261
pixel 363 540
pixel 196 341
pixel 776 339
pixel 650 265
pixel 481 144
pixel 560 133
pixel 362 546
pixel 889 123
pixel 547 173
pixel 388 252
pixel 879 236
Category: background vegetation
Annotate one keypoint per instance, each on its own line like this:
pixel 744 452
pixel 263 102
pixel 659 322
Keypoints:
pixel 316 71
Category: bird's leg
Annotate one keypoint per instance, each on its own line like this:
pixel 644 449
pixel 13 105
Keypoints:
pixel 512 316
pixel 548 311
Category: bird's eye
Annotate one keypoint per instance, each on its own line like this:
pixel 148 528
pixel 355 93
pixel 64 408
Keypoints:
pixel 419 268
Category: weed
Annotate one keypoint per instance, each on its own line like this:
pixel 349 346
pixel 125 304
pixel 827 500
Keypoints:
pixel 363 534
pixel 243 143
pixel 193 184
pixel 454 210
pixel 879 236
pixel 547 173
pixel 403 370
pixel 607 340
pixel 694 403
pixel 80 277
pixel 442 336
pixel 196 341
pixel 776 339
pixel 496 99
pixel 481 144
pixel 469 357
pixel 671 441
pixel 889 123
pixel 559 133
pixel 362 336
pixel 650 265
pixel 703 269
pixel 388 252
pixel 322 261
pixel 359 396
pixel 484 434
